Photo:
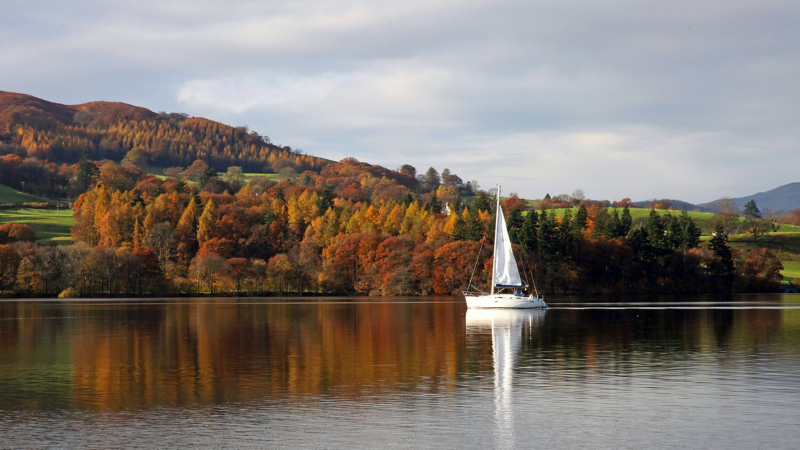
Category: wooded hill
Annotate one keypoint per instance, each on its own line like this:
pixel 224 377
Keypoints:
pixel 30 126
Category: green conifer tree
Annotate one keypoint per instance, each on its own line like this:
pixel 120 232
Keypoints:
pixel 625 222
pixel 689 230
pixel 325 200
pixel 514 225
pixel 674 232
pixel 581 221
pixel 434 206
pixel 613 225
pixel 407 199
pixel 530 231
pixel 657 233
pixel 722 268
pixel 481 203
pixel 566 231
pixel 87 174
pixel 459 230
pixel 548 239
pixel 180 186
pixel 475 228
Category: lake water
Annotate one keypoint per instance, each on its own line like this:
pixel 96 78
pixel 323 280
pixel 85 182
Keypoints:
pixel 400 373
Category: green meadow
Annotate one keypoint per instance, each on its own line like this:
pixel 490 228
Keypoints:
pixel 10 195
pixel 272 176
pixel 159 172
pixel 637 213
pixel 51 225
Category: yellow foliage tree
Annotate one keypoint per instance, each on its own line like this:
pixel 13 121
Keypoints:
pixel 205 225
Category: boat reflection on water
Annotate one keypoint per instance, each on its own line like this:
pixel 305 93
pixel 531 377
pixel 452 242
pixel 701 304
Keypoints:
pixel 506 327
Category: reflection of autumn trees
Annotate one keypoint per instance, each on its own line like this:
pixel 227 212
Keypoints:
pixel 130 355
pixel 226 351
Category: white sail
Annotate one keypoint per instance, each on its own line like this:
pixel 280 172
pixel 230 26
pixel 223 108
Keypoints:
pixel 506 273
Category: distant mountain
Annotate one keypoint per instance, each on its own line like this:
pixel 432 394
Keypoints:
pixel 783 198
pixel 30 126
pixel 676 204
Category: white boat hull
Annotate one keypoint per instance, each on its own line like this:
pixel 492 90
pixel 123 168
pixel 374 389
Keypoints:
pixel 503 301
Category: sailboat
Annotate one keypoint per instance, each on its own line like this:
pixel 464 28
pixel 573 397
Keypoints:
pixel 508 290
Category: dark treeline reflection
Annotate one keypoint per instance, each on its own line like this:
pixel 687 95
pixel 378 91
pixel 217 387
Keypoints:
pixel 140 354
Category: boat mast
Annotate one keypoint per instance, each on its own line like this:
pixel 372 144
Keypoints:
pixel 496 216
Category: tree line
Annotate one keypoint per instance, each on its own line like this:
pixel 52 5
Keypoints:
pixel 357 228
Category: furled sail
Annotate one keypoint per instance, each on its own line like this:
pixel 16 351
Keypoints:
pixel 505 269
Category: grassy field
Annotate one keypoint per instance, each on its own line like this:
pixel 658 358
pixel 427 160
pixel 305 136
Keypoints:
pixel 247 175
pixel 50 225
pixel 791 270
pixel 11 195
pixel 272 176
pixel 645 212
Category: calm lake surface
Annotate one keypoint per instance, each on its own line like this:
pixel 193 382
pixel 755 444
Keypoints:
pixel 409 373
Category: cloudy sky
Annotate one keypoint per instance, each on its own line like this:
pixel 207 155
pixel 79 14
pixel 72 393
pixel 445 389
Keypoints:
pixel 621 98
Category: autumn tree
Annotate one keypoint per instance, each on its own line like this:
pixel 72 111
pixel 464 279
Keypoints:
pixel 431 179
pixel 207 222
pixel 761 272
pixel 16 232
pixel 136 157
pixel 186 232
pixel 207 269
pixel 162 240
pixel 196 170
pixel 239 270
pixel 9 264
pixel 393 259
pixel 451 266
pixel 281 270
pixel 40 270
pixel 408 169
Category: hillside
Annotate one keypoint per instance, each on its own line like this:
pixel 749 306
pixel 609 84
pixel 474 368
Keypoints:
pixel 18 109
pixel 783 198
pixel 30 126
pixel 9 195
